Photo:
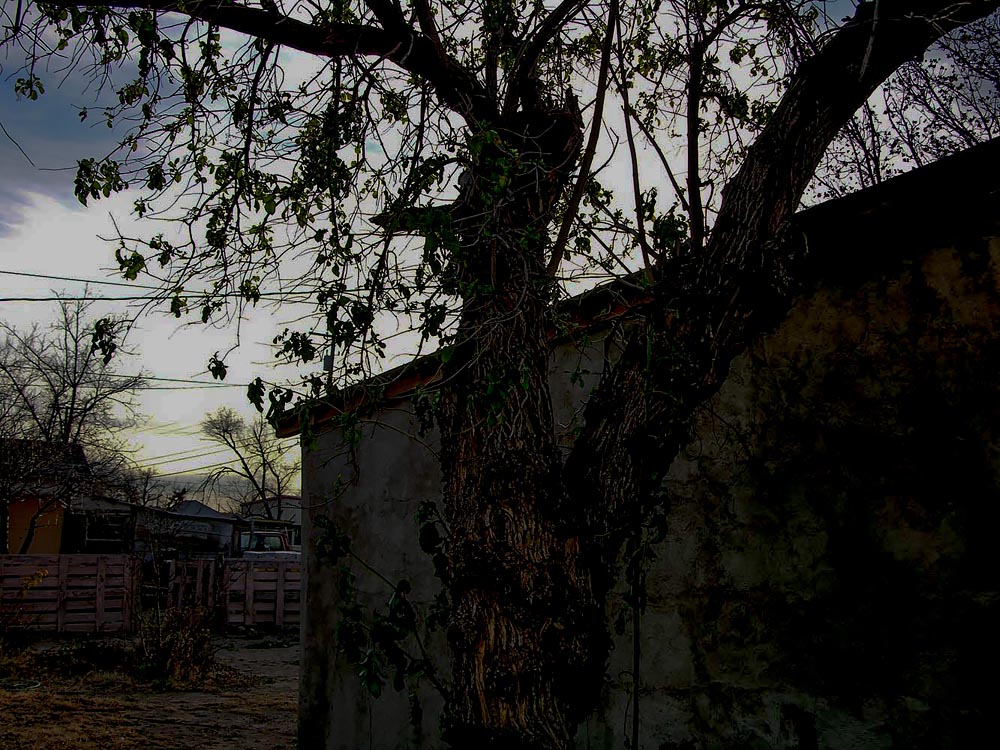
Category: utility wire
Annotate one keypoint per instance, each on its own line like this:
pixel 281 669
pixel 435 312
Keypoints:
pixel 130 285
pixel 157 378
pixel 77 280
pixel 177 453
pixel 194 457
pixel 195 469
pixel 152 298
pixel 181 387
pixel 215 384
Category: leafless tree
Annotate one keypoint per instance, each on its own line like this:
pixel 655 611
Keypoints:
pixel 262 472
pixel 947 101
pixel 64 413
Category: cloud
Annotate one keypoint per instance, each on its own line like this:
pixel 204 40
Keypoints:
pixel 49 132
pixel 56 239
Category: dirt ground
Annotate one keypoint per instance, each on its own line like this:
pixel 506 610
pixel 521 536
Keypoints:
pixel 98 711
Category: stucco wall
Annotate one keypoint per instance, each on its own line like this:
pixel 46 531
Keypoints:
pixel 827 578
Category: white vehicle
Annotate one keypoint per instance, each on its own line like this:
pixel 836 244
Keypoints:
pixel 266 545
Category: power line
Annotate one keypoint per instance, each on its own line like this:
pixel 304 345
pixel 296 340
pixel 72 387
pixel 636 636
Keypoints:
pixel 193 457
pixel 139 376
pixel 176 431
pixel 196 468
pixel 76 279
pixel 76 299
pixel 177 453
pixel 216 384
pixel 130 285
pixel 152 298
pixel 184 387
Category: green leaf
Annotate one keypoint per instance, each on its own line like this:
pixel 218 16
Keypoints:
pixel 255 394
pixel 217 367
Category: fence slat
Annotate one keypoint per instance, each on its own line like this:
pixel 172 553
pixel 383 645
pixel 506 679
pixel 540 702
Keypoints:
pixel 64 563
pixel 102 569
pixel 248 605
pixel 76 592
pixel 279 596
pixel 98 592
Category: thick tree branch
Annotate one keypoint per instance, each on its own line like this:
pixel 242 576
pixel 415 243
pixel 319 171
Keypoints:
pixel 532 48
pixel 425 18
pixel 709 307
pixel 696 213
pixel 457 88
pixel 389 14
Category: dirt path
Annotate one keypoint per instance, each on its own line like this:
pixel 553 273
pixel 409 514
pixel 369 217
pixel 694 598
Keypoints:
pixel 102 712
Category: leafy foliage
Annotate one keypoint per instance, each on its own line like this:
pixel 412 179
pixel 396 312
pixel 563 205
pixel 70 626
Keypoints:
pixel 293 167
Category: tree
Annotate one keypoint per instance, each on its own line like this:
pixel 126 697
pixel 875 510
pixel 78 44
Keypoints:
pixel 63 410
pixel 435 165
pixel 263 471
pixel 144 487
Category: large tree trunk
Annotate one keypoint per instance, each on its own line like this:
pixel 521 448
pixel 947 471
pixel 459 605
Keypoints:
pixel 525 626
pixel 523 615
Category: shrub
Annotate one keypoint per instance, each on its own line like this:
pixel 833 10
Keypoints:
pixel 15 614
pixel 175 646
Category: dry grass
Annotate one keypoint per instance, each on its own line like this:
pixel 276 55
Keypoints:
pixel 249 702
pixel 45 719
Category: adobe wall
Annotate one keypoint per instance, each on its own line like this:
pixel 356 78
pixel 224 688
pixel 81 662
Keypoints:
pixel 827 577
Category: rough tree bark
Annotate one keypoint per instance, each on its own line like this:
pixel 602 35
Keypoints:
pixel 523 618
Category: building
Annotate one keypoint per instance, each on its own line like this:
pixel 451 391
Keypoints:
pixel 827 577
pixel 39 481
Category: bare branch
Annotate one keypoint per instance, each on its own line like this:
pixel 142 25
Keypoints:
pixel 588 155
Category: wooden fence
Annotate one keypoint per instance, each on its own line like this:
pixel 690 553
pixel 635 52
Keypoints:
pixel 100 593
pixel 68 593
pixel 252 592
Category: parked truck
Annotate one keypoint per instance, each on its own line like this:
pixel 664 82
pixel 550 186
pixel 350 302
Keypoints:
pixel 265 544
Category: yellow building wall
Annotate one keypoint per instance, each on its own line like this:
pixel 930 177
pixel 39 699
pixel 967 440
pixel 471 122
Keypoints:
pixel 48 531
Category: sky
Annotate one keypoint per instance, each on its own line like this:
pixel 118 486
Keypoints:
pixel 44 230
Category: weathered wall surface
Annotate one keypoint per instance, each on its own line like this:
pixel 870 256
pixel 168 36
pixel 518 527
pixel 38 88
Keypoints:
pixel 827 579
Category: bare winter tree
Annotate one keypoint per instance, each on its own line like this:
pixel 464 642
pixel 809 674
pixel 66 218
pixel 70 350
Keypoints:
pixel 64 411
pixel 143 487
pixel 262 473
pixel 440 170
